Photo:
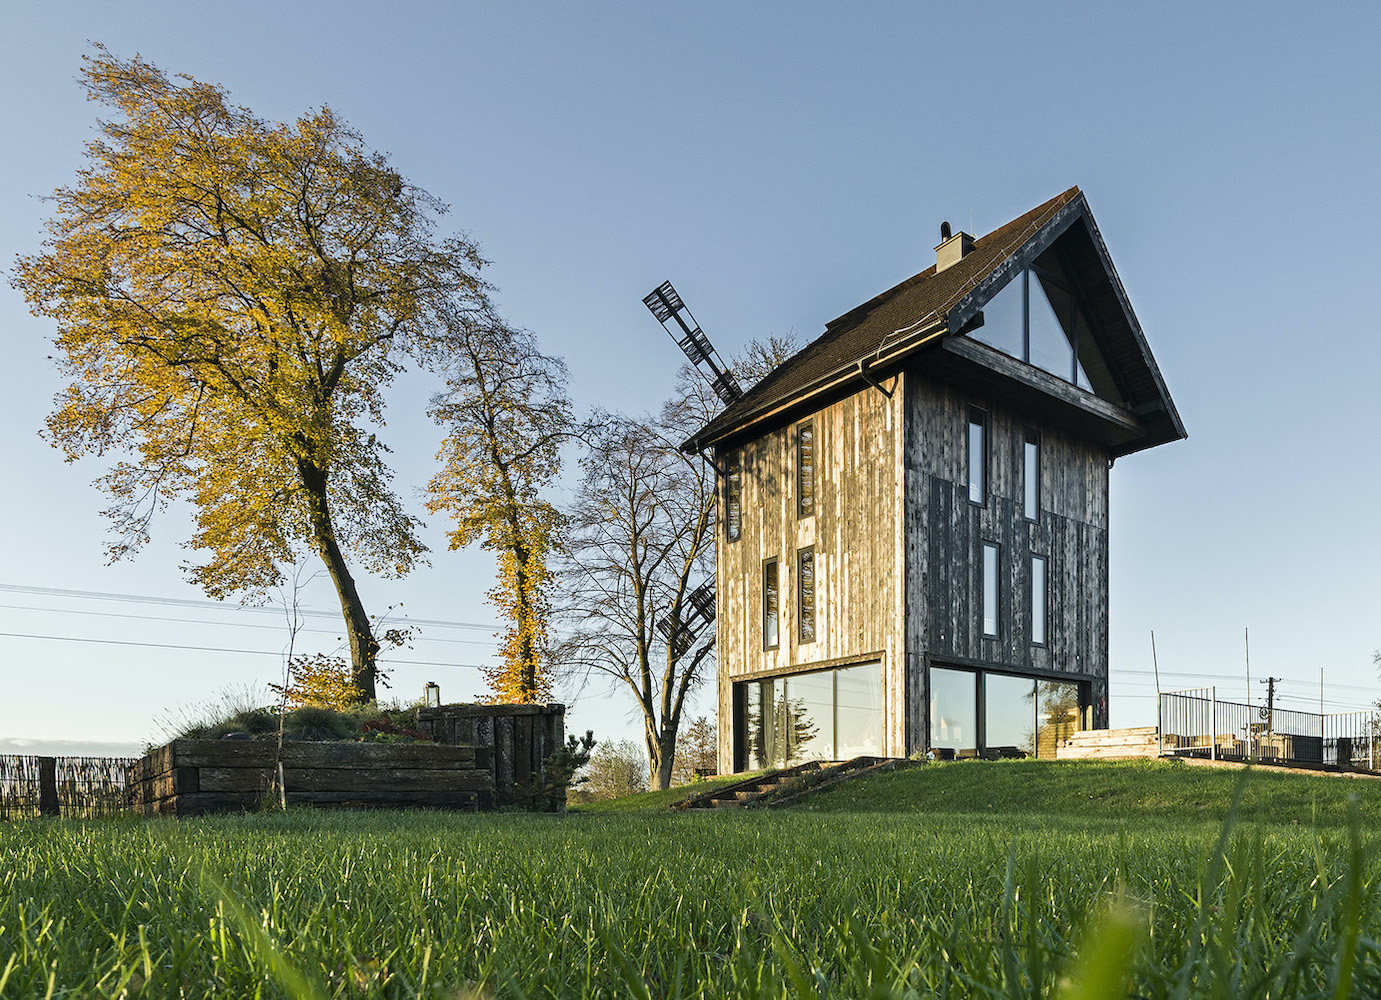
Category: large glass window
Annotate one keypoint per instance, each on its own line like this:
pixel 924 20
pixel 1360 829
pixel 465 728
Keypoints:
pixel 822 715
pixel 1058 714
pixel 1031 476
pixel 978 456
pixel 991 590
pixel 805 589
pixel 1051 314
pixel 1009 715
pixel 1039 615
pixel 733 499
pixel 1038 317
pixel 1021 716
pixel 770 605
pixel 1004 319
pixel 805 470
pixel 858 711
pixel 954 712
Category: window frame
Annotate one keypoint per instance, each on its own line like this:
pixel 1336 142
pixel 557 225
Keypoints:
pixel 805 615
pixel 802 509
pixel 733 497
pixel 978 418
pixel 1044 619
pixel 1031 478
pixel 774 614
pixel 996 549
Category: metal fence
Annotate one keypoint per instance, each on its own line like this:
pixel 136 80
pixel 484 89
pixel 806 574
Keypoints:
pixel 79 787
pixel 1196 722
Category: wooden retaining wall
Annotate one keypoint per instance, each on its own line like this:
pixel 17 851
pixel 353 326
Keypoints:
pixel 519 739
pixel 1109 744
pixel 193 777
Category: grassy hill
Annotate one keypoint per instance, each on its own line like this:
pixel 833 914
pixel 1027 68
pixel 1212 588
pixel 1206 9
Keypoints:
pixel 1120 791
pixel 995 880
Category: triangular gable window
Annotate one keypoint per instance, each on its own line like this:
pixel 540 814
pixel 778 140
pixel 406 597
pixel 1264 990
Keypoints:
pixel 1037 317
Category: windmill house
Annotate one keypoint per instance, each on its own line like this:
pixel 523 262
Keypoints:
pixel 912 548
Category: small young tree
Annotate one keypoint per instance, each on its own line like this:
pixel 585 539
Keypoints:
pixel 232 296
pixel 506 412
pixel 615 770
pixel 697 751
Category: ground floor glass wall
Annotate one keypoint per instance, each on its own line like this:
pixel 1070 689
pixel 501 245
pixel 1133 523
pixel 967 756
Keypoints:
pixel 992 714
pixel 823 715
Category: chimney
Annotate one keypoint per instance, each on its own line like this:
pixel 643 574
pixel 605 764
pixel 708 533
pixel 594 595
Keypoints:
pixel 952 249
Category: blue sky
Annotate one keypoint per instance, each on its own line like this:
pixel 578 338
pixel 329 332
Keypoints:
pixel 782 163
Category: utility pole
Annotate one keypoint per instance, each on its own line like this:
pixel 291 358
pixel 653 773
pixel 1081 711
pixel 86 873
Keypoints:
pixel 1270 683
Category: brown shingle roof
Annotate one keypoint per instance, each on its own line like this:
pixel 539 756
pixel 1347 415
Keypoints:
pixel 866 330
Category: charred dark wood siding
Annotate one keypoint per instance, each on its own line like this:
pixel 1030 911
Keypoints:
pixel 945 536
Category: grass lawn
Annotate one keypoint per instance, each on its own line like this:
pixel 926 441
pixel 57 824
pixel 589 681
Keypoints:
pixel 1010 879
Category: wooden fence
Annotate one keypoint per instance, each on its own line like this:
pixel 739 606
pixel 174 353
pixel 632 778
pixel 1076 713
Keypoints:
pixel 77 787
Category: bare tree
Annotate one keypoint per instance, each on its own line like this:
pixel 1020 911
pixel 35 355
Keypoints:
pixel 641 541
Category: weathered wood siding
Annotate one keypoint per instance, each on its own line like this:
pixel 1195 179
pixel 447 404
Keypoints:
pixel 856 532
pixel 945 534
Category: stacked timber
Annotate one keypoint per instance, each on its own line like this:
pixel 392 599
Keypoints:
pixel 195 777
pixel 1109 744
pixel 519 738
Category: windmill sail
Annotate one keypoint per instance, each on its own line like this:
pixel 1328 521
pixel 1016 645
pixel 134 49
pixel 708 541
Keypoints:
pixel 667 306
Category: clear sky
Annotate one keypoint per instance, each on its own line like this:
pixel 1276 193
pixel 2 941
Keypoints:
pixel 781 163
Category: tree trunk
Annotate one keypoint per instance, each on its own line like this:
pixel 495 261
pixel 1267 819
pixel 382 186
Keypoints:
pixel 661 756
pixel 363 647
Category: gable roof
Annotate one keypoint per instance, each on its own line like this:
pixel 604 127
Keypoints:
pixel 920 314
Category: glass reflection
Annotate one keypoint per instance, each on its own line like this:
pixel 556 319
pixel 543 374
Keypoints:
pixel 824 715
pixel 1004 319
pixel 812 699
pixel 1009 715
pixel 1051 309
pixel 858 711
pixel 954 711
pixel 1057 715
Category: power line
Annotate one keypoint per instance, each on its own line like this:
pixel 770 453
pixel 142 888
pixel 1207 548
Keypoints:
pixel 221 605
pixel 214 624
pixel 216 649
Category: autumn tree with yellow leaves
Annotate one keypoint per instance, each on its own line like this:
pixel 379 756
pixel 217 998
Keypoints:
pixel 232 296
pixel 506 414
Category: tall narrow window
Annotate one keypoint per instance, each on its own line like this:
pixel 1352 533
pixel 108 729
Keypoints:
pixel 805 587
pixel 1038 605
pixel 805 470
pixel 769 605
pixel 990 588
pixel 1031 476
pixel 733 499
pixel 978 457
